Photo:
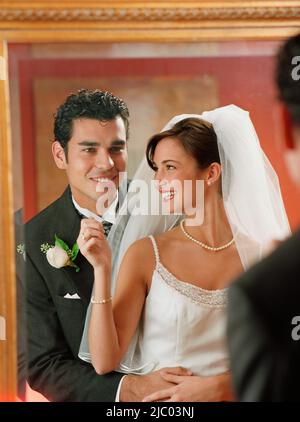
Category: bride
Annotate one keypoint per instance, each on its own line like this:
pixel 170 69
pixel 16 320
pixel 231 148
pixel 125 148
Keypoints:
pixel 169 306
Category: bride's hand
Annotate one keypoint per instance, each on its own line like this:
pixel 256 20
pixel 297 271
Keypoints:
pixel 93 244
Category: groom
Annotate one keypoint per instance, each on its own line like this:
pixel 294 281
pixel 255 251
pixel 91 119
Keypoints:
pixel 264 304
pixel 91 130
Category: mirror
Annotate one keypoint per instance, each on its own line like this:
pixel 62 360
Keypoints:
pixel 162 59
pixel 183 77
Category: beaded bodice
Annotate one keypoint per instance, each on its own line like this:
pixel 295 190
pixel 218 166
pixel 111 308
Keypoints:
pixel 181 325
pixel 213 298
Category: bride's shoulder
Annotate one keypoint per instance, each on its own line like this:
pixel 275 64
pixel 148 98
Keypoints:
pixel 141 256
pixel 144 247
pixel 140 247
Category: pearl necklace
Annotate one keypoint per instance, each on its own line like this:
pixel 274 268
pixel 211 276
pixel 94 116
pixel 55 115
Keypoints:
pixel 209 248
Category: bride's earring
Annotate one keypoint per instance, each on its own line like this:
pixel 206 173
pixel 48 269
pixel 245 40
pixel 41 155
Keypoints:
pixel 209 182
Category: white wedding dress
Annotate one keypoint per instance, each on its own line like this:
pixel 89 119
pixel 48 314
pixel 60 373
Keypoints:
pixel 182 325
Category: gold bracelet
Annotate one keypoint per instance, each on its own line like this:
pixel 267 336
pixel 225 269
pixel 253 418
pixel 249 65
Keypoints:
pixel 102 301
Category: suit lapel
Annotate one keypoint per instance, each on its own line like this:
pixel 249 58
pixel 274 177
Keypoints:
pixel 68 226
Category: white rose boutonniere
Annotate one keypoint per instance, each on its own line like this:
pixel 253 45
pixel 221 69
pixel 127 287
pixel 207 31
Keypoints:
pixel 57 257
pixel 60 255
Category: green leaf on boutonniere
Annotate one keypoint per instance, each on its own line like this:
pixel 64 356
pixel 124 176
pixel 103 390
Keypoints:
pixel 74 251
pixel 61 243
pixel 72 264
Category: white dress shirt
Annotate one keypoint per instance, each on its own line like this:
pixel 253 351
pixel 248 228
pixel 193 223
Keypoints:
pixel 109 215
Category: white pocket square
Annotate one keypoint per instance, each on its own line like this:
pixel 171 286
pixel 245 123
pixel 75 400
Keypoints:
pixel 74 296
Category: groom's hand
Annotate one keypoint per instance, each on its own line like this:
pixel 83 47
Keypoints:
pixel 135 387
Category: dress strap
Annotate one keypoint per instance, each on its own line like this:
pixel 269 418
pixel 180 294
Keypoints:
pixel 156 253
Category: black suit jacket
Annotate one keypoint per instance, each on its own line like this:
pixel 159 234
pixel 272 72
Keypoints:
pixel 55 324
pixel 21 315
pixel 265 360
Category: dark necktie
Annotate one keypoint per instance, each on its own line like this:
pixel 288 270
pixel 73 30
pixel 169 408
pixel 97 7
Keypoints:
pixel 106 226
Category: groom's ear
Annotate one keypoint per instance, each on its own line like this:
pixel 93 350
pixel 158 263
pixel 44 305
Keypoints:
pixel 59 155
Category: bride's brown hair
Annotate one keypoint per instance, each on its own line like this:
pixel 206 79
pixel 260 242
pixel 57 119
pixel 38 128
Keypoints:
pixel 197 137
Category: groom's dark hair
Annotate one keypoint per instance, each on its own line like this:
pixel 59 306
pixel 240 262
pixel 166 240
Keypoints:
pixel 89 104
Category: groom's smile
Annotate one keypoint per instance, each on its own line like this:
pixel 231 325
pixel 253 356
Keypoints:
pixel 96 154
